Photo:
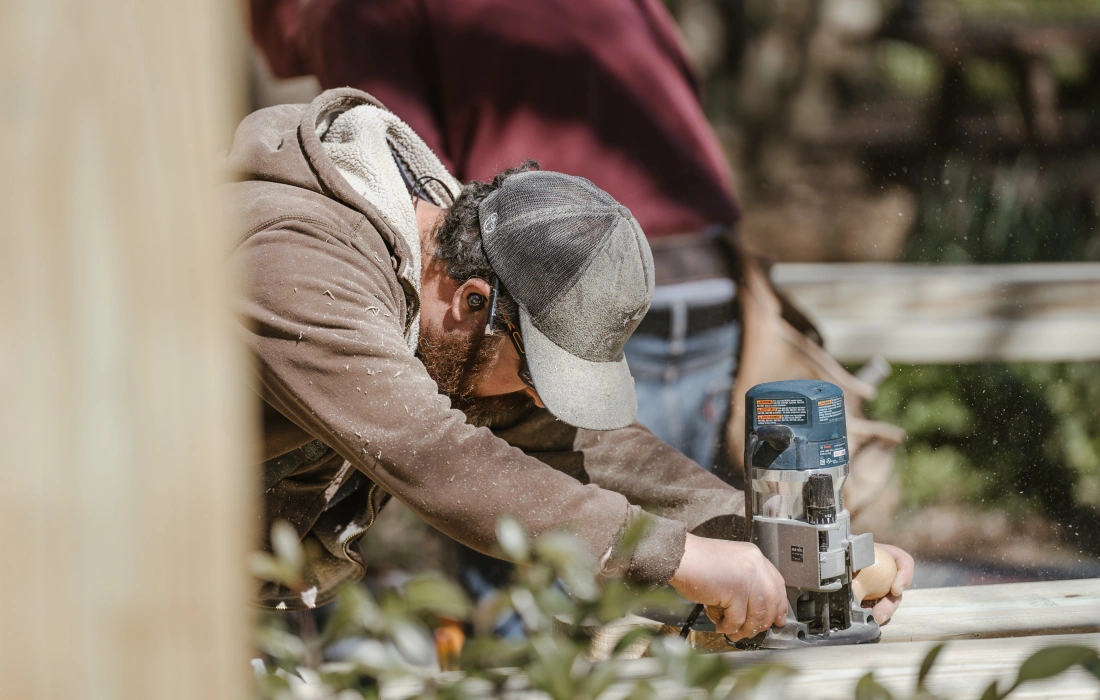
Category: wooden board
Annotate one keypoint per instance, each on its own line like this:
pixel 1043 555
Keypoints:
pixel 999 610
pixel 969 612
pixel 126 501
pixel 950 313
pixel 962 670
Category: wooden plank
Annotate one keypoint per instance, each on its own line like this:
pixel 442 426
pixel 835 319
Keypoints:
pixel 962 670
pixel 124 489
pixel 951 313
pixel 968 612
pixel 998 610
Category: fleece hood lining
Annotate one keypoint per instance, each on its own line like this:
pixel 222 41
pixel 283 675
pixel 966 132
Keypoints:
pixel 362 142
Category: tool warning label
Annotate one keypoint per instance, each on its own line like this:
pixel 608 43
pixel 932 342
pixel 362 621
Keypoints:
pixel 833 454
pixel 793 410
pixel 830 410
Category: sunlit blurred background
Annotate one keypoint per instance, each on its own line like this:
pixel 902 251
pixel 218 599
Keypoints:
pixel 945 132
pixel 922 177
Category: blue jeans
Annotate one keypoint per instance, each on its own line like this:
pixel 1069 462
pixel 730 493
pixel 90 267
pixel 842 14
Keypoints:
pixel 684 382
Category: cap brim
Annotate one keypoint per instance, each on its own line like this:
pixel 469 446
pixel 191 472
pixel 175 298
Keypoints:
pixel 591 395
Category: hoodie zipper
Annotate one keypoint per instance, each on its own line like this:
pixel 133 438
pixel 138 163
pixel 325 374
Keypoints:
pixel 370 523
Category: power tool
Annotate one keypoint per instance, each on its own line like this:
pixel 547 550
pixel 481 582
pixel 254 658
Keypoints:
pixel 796 461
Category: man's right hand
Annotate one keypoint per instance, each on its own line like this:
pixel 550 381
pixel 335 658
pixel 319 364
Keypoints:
pixel 742 591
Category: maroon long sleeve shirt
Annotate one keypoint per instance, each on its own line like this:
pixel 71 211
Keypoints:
pixel 596 88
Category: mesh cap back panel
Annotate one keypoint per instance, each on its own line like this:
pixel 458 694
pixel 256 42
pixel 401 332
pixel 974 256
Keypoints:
pixel 578 265
pixel 594 319
pixel 540 231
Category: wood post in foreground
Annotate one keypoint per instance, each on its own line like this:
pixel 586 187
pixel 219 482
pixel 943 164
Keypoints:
pixel 124 507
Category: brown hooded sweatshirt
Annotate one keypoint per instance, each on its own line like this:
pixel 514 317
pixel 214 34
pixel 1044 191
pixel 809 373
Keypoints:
pixel 351 416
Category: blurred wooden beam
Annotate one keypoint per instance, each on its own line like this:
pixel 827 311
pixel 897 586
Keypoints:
pixel 962 670
pixel 928 614
pixel 997 610
pixel 123 482
pixel 951 313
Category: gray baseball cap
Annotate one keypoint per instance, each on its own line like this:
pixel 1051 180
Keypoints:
pixel 579 267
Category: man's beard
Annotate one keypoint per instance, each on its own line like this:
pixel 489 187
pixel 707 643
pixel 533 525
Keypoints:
pixel 456 363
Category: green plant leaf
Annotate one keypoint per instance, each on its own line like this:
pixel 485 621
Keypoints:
pixel 642 690
pixel 991 692
pixel 437 595
pixel 748 679
pixel 630 638
pixel 1052 661
pixel 1094 667
pixel 286 650
pixel 265 567
pixel 926 665
pixel 598 680
pixel 704 670
pixel 552 671
pixel 512 539
pixel 869 689
pixel 354 613
pixel 287 546
pixel 633 534
pixel 413 642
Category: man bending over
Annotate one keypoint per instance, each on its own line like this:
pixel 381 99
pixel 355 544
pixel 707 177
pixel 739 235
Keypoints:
pixel 411 334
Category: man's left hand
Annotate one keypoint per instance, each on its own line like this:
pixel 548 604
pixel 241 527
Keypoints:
pixel 884 607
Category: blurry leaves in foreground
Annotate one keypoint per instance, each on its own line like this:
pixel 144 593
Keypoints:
pixel 392 641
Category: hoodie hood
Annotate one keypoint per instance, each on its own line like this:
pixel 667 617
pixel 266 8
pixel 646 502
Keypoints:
pixel 378 153
pixel 284 144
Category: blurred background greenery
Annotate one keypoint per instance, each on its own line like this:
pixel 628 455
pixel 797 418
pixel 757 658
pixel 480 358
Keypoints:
pixel 978 122
pixel 915 131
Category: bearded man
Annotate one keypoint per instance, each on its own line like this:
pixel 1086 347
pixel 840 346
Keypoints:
pixel 396 316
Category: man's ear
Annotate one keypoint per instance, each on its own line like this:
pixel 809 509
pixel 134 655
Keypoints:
pixel 470 300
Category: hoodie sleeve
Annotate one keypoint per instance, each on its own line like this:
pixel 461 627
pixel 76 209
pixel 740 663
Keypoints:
pixel 639 465
pixel 323 317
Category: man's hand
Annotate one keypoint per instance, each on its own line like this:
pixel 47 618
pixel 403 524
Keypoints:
pixel 884 607
pixel 742 591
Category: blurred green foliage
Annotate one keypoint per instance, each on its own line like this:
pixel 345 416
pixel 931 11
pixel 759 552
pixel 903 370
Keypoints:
pixel 989 80
pixel 369 641
pixel 908 69
pixel 1019 437
pixel 1012 212
pixel 1033 10
pixel 1022 437
pixel 389 642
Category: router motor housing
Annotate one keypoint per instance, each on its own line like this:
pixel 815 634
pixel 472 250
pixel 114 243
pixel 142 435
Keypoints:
pixel 796 462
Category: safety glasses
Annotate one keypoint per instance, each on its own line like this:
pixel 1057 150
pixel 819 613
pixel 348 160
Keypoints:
pixel 513 333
